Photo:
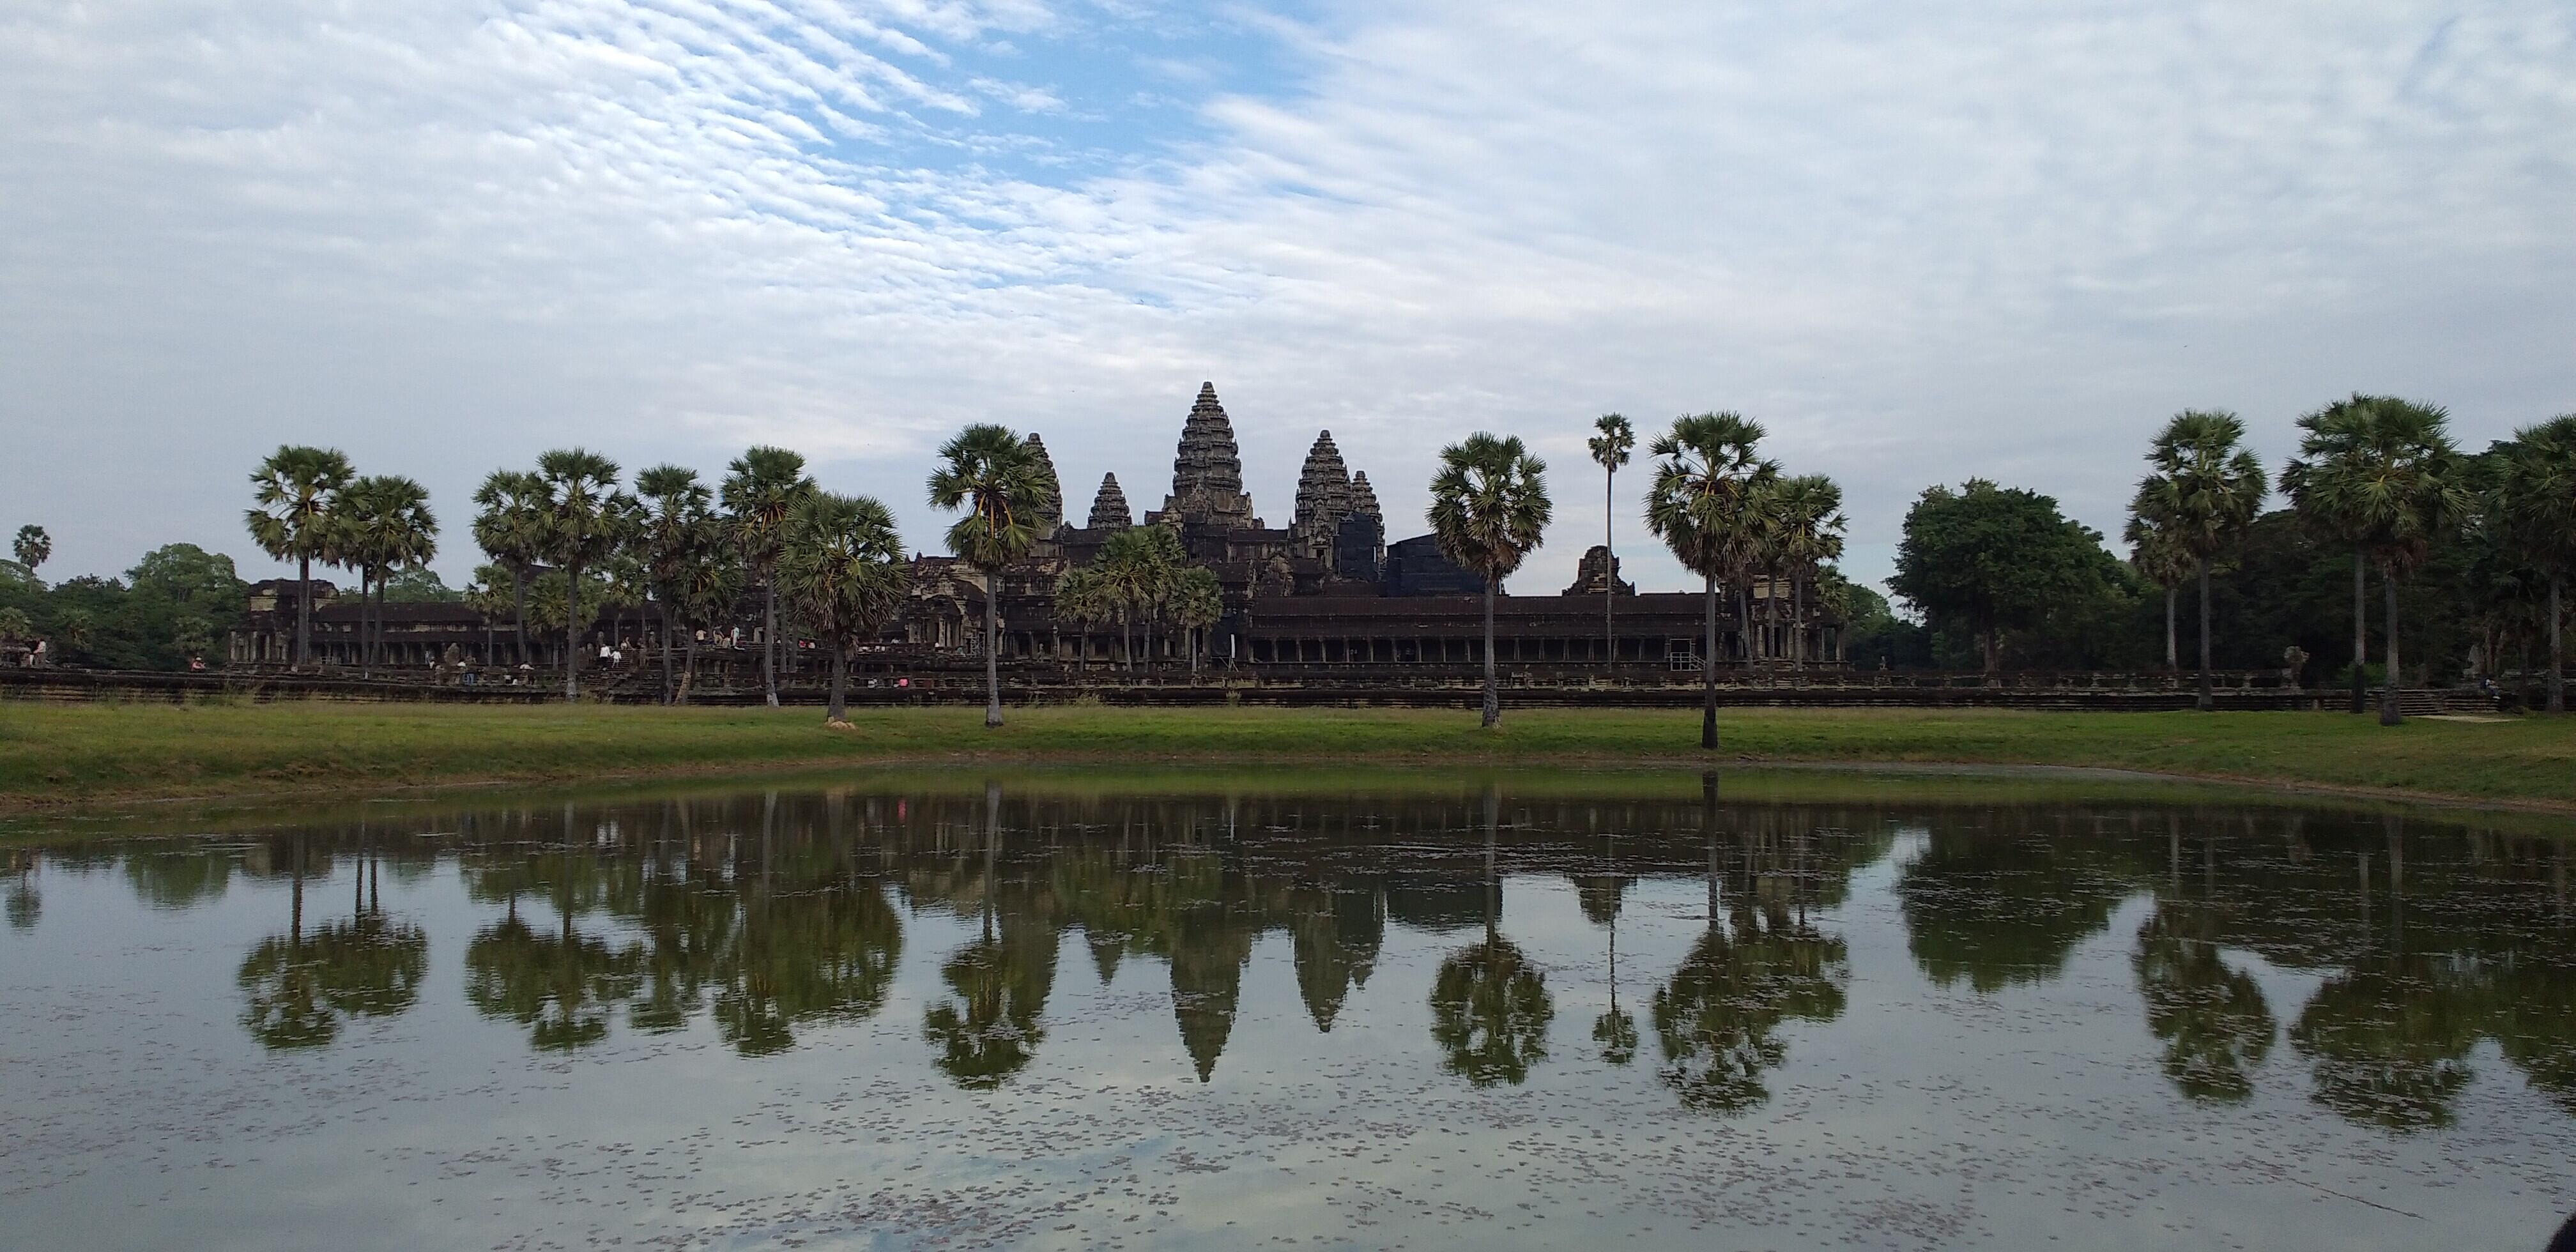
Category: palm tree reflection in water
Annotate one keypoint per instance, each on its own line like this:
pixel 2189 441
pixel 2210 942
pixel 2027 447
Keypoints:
pixel 1489 1007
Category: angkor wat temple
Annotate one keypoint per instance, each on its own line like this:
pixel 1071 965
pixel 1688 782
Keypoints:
pixel 1327 595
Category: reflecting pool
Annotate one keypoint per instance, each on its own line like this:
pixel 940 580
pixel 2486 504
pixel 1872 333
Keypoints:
pixel 1070 1009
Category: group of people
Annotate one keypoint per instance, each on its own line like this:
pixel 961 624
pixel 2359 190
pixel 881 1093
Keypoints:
pixel 36 656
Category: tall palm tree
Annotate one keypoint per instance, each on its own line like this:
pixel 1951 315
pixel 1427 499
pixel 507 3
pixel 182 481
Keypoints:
pixel 383 524
pixel 32 546
pixel 1803 526
pixel 1084 597
pixel 1701 506
pixel 1610 450
pixel 2205 490
pixel 1489 510
pixel 1198 602
pixel 2381 474
pixel 293 492
pixel 512 514
pixel 590 518
pixel 1008 491
pixel 842 566
pixel 679 524
pixel 1138 568
pixel 760 487
pixel 2158 558
pixel 2536 501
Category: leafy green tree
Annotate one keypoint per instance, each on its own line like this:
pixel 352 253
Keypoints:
pixel 589 519
pixel 679 532
pixel 2381 474
pixel 382 524
pixel 2156 552
pixel 1007 491
pixel 1085 597
pixel 1136 569
pixel 419 585
pixel 842 566
pixel 511 525
pixel 2535 502
pixel 760 488
pixel 2204 491
pixel 1701 506
pixel 1197 602
pixel 15 628
pixel 33 547
pixel 1611 447
pixel 293 494
pixel 824 953
pixel 1994 558
pixel 1804 531
pixel 559 985
pixel 1489 511
pixel 2388 1041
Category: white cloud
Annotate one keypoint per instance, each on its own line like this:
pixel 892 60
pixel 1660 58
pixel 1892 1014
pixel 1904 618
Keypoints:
pixel 1918 242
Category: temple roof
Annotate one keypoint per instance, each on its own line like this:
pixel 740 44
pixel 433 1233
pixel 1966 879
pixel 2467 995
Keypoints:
pixel 1053 517
pixel 1207 469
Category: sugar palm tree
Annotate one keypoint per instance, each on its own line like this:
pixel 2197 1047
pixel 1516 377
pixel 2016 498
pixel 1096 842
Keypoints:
pixel 32 546
pixel 1610 450
pixel 842 566
pixel 1137 568
pixel 1489 511
pixel 1804 530
pixel 293 492
pixel 760 488
pixel 2381 474
pixel 1083 596
pixel 1007 491
pixel 2536 502
pixel 383 524
pixel 1701 506
pixel 679 527
pixel 2158 558
pixel 510 520
pixel 2204 491
pixel 590 518
pixel 1197 603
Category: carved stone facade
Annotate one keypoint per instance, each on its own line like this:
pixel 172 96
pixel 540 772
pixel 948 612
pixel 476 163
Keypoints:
pixel 1207 473
pixel 1589 575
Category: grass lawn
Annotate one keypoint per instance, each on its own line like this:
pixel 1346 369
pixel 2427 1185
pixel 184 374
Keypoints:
pixel 59 754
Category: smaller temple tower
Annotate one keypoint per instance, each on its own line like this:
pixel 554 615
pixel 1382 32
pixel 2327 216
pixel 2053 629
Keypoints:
pixel 1053 518
pixel 1109 509
pixel 1323 498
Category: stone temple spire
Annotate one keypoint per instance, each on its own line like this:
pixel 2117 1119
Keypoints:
pixel 1049 520
pixel 1207 473
pixel 1323 495
pixel 1364 498
pixel 1109 509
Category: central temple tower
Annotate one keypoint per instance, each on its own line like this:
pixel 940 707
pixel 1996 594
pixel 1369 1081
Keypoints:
pixel 1207 474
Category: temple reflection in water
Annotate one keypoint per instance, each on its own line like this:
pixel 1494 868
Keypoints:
pixel 772 916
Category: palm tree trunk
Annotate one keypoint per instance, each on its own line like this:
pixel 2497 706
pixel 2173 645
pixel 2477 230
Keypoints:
pixel 303 611
pixel 2557 657
pixel 2173 655
pixel 572 631
pixel 1609 564
pixel 769 635
pixel 1493 696
pixel 688 671
pixel 838 710
pixel 1708 669
pixel 992 657
pixel 2389 713
pixel 519 610
pixel 2360 631
pixel 667 684
pixel 1798 623
pixel 2208 700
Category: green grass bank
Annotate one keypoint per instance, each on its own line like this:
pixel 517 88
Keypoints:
pixel 69 754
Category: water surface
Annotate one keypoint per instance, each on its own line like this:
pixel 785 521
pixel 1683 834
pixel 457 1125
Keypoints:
pixel 1070 1011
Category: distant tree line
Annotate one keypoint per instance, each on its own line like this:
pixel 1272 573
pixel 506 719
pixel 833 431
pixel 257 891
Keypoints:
pixel 2470 553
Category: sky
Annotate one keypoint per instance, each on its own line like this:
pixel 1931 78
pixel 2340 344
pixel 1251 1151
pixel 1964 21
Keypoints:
pixel 1918 242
